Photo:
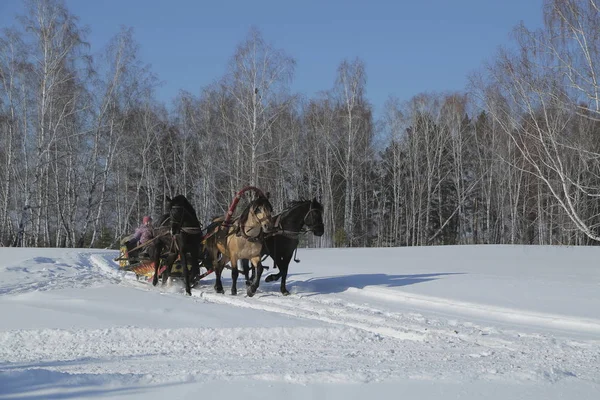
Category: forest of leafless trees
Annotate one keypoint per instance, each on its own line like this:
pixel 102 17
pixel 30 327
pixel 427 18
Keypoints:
pixel 86 149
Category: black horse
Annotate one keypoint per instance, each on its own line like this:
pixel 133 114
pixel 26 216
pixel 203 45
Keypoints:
pixel 185 239
pixel 281 245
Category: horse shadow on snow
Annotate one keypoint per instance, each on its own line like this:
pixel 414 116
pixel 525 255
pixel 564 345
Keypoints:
pixel 338 284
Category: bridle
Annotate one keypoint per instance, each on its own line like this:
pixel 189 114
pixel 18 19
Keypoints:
pixel 295 234
pixel 311 210
pixel 309 227
pixel 261 220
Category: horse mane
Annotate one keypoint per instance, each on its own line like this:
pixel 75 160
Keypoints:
pixel 317 204
pixel 295 203
pixel 260 201
pixel 181 200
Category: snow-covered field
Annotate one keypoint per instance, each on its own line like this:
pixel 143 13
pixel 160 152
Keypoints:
pixel 472 322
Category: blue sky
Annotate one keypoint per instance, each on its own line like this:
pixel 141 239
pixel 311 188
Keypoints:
pixel 408 46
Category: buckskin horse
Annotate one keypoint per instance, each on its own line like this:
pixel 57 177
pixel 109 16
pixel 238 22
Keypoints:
pixel 281 243
pixel 241 239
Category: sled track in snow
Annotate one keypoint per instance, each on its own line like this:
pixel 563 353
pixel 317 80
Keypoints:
pixel 297 306
pixel 83 270
pixel 403 326
pixel 488 311
pixel 507 349
pixel 385 339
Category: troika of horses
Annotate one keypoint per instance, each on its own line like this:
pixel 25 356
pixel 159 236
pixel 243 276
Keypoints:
pixel 180 247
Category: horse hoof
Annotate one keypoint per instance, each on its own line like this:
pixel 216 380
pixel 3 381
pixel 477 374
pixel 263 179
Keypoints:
pixel 220 291
pixel 251 291
pixel 189 293
pixel 154 282
pixel 285 293
pixel 269 278
pixel 248 283
pixel 233 292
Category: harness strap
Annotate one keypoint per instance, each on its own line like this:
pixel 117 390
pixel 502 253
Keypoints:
pixel 284 232
pixel 148 241
pixel 296 259
pixel 291 234
pixel 191 230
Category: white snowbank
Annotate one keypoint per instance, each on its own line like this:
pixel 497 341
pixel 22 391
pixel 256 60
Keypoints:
pixel 454 322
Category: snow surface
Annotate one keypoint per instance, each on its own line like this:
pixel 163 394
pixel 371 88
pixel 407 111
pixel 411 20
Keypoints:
pixel 468 322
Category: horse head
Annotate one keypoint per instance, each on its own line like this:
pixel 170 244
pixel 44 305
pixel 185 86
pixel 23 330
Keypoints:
pixel 314 218
pixel 181 213
pixel 258 214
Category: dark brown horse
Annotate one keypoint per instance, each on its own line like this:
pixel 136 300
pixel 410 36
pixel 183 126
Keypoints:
pixel 186 236
pixel 283 241
pixel 241 240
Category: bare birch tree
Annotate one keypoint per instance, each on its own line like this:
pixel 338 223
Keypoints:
pixel 551 79
pixel 258 83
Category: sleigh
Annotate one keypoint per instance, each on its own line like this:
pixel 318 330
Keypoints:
pixel 136 261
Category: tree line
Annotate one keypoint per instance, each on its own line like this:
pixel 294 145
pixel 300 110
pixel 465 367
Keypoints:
pixel 86 148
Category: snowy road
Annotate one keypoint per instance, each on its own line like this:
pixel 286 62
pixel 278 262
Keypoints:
pixel 502 321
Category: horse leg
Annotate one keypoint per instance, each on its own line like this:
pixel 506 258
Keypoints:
pixel 272 250
pixel 208 260
pixel 218 283
pixel 156 256
pixel 185 272
pixel 252 273
pixel 256 281
pixel 234 275
pixel 168 264
pixel 218 264
pixel 284 264
pixel 279 263
pixel 273 277
pixel 195 270
pixel 246 267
